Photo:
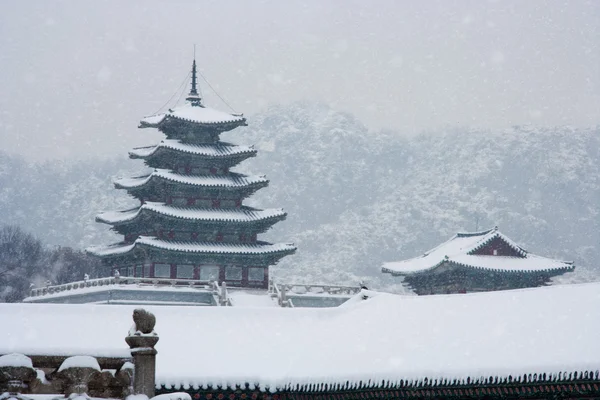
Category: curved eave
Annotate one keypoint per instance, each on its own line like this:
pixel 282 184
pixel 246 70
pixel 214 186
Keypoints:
pixel 119 217
pixel 187 214
pixel 210 182
pixel 239 121
pixel 549 270
pixel 395 272
pixel 219 125
pixel 113 250
pixel 200 248
pixel 151 151
pixel 568 267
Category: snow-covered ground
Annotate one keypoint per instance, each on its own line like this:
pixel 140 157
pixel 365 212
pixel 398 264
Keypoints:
pixel 248 298
pixel 387 337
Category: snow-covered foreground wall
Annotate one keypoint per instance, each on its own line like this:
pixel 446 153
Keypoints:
pixel 356 198
pixel 391 337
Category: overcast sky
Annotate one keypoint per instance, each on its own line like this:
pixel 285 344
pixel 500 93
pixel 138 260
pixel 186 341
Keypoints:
pixel 76 76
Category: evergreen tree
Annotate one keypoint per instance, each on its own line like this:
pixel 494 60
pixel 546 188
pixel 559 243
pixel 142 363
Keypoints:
pixel 21 260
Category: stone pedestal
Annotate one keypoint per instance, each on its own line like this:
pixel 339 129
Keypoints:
pixel 77 373
pixel 142 340
pixel 16 372
pixel 144 360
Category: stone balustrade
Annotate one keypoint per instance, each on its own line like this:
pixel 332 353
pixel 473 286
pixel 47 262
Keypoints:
pixel 283 291
pixel 293 288
pixel 73 377
pixel 82 377
pixel 120 280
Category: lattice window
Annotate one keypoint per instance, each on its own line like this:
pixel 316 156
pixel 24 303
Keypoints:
pixel 233 273
pixel 209 272
pixel 256 274
pixel 162 270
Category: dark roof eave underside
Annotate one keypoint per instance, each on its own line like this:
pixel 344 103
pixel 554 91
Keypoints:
pixel 144 186
pixel 556 271
pixel 143 246
pixel 275 219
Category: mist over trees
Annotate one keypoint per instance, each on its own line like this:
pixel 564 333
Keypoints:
pixel 21 260
pixel 26 262
pixel 355 198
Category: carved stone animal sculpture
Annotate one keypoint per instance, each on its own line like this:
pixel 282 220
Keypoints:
pixel 144 321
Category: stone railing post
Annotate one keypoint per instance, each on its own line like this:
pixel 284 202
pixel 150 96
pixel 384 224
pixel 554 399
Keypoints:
pixel 78 372
pixel 283 299
pixel 141 339
pixel 16 372
pixel 223 294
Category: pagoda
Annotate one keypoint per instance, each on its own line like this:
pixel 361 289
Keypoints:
pixel 191 222
pixel 476 262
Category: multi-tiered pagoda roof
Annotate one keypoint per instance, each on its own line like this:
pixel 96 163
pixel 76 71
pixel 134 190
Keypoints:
pixel 196 114
pixel 191 222
pixel 149 209
pixel 168 148
pixel 164 176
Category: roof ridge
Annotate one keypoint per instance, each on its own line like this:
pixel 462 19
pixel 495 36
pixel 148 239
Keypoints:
pixel 480 233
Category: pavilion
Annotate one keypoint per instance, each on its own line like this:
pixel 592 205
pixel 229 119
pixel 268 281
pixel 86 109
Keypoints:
pixel 476 262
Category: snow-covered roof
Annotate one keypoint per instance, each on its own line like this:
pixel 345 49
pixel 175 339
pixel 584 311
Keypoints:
pixel 193 247
pixel 207 150
pixel 387 337
pixel 459 251
pixel 187 112
pixel 244 214
pixel 225 181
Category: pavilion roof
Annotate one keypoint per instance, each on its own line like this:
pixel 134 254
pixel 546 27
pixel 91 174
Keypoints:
pixel 459 251
pixel 208 150
pixel 195 114
pixel 192 247
pixel 244 214
pixel 546 330
pixel 225 181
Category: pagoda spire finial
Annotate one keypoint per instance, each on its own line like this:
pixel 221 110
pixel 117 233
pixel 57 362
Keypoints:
pixel 194 97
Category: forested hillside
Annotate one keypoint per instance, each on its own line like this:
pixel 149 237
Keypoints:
pixel 357 198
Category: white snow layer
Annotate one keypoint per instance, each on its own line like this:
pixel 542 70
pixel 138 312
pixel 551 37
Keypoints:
pixel 457 250
pixel 208 150
pixel 79 362
pixel 187 112
pixel 246 298
pixel 226 181
pixel 15 360
pixel 193 247
pixel 387 337
pixel 170 396
pixel 126 286
pixel 205 214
